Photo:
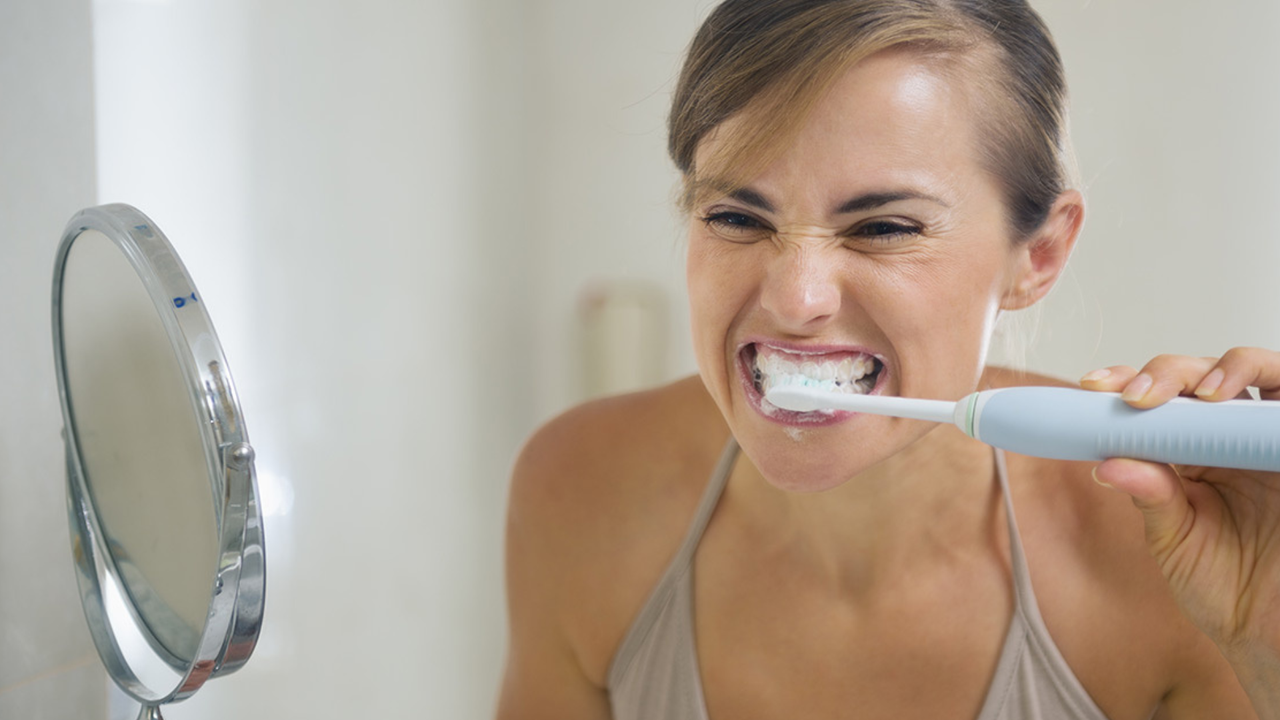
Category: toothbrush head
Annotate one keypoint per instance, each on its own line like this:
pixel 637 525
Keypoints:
pixel 801 394
pixel 805 396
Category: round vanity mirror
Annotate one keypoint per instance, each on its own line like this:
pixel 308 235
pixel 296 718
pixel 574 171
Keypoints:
pixel 166 531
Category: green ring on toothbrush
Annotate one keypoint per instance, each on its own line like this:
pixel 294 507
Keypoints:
pixel 970 413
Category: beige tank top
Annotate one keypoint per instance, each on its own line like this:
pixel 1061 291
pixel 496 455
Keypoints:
pixel 654 675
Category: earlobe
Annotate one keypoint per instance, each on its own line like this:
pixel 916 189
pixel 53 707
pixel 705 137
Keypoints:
pixel 1043 256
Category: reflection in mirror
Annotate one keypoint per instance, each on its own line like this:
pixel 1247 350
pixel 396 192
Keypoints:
pixel 165 521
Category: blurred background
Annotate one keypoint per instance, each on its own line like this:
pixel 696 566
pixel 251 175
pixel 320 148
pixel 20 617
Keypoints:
pixel 422 227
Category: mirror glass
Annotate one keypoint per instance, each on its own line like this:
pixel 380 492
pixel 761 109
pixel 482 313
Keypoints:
pixel 161 490
pixel 139 444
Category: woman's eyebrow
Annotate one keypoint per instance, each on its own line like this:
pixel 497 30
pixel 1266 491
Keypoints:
pixel 747 196
pixel 866 201
pixel 876 199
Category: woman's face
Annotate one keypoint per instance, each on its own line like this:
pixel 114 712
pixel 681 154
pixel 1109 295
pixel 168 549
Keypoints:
pixel 874 251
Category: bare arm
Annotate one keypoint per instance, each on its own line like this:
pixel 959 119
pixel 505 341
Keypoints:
pixel 544 678
pixel 1208 688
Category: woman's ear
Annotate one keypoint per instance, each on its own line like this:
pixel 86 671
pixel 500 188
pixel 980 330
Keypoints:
pixel 1042 257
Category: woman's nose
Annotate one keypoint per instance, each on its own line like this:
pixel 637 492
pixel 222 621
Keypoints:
pixel 801 289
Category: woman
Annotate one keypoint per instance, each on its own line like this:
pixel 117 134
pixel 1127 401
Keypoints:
pixel 869 183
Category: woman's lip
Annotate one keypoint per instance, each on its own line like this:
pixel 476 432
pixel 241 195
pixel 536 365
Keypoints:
pixel 806 349
pixel 788 417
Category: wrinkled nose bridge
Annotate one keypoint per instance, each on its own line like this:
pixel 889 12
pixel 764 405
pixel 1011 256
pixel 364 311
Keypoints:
pixel 803 282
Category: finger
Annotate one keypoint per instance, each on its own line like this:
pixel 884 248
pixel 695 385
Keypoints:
pixel 1166 377
pixel 1109 379
pixel 1238 369
pixel 1158 492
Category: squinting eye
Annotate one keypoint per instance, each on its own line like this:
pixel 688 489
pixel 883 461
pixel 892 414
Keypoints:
pixel 735 226
pixel 884 231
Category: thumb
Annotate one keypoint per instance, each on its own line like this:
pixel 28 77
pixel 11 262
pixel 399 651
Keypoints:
pixel 1157 491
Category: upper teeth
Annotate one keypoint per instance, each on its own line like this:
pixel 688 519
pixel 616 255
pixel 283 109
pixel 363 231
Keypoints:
pixel 846 370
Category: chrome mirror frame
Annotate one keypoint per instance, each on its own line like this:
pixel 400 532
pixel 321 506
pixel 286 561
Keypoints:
pixel 237 589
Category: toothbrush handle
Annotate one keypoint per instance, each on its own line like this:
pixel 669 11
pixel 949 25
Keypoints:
pixel 1069 424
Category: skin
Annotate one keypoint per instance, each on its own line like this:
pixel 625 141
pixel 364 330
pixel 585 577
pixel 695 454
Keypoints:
pixel 846 562
pixel 1212 531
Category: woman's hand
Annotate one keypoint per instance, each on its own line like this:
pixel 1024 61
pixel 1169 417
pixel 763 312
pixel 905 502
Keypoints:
pixel 1214 532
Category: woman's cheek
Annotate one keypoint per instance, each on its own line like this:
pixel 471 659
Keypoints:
pixel 704 308
pixel 967 311
pixel 716 279
pixel 721 287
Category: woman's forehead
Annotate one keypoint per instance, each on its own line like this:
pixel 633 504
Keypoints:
pixel 892 120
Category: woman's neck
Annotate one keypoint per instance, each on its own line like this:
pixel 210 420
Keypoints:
pixel 928 503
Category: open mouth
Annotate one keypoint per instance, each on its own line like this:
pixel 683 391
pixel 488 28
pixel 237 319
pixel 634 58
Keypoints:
pixel 837 371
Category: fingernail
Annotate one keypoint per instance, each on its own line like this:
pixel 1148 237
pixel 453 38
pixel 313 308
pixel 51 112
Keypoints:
pixel 1137 388
pixel 1095 375
pixel 1211 382
pixel 1094 473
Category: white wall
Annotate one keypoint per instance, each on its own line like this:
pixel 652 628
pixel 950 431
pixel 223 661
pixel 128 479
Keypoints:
pixel 393 209
pixel 48 667
pixel 603 188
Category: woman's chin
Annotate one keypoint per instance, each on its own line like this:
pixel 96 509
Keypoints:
pixel 805 472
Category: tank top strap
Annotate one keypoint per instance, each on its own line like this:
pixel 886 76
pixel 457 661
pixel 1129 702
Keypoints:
pixel 677 571
pixel 1017 556
pixel 1047 682
pixel 702 516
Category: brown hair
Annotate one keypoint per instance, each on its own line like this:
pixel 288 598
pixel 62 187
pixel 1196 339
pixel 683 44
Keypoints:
pixel 770 61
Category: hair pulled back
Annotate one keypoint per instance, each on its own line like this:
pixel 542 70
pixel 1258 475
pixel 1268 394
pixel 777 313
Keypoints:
pixel 772 60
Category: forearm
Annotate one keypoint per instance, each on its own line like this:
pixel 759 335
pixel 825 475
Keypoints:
pixel 1259 675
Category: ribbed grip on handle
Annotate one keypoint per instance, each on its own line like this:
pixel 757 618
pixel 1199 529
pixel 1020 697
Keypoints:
pixel 1069 424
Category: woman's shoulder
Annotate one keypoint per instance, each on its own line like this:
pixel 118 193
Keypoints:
pixel 600 499
pixel 600 461
pixel 614 432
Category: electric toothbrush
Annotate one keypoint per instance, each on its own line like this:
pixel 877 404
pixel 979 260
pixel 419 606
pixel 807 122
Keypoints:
pixel 1070 424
